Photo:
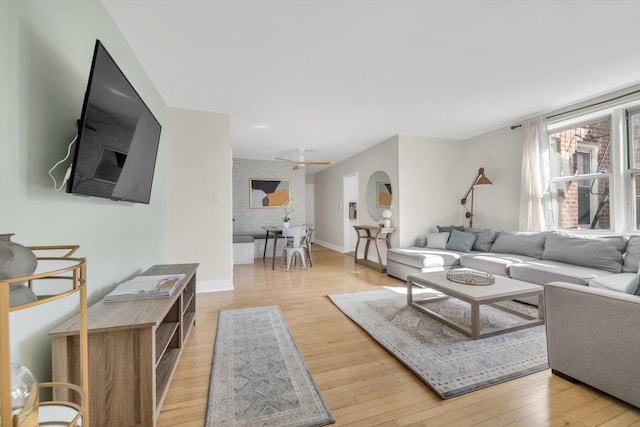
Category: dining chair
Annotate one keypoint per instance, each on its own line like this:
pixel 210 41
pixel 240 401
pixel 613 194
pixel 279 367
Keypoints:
pixel 294 246
pixel 307 242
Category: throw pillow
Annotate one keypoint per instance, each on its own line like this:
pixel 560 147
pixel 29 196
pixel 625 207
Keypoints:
pixel 420 242
pixel 447 229
pixel 484 240
pixel 632 257
pixel 633 288
pixel 437 240
pixel 461 241
pixel 520 243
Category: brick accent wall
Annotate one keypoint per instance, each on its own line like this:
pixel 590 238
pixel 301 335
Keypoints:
pixel 249 220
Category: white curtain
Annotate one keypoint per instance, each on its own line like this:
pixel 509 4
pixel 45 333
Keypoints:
pixel 536 212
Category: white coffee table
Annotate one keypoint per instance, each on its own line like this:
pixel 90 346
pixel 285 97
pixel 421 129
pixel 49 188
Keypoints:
pixel 477 295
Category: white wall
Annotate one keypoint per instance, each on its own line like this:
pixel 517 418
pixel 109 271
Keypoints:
pixel 435 174
pixel 47 49
pixel 200 194
pixel 429 188
pixel 329 191
pixel 500 153
pixel 432 176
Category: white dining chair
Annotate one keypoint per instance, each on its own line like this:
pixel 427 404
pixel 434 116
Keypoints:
pixel 294 246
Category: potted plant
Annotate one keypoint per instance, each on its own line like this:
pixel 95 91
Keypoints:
pixel 288 208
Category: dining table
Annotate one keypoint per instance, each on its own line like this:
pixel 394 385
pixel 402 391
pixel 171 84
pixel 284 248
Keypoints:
pixel 275 232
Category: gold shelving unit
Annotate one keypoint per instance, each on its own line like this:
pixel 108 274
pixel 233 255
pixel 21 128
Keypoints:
pixel 70 276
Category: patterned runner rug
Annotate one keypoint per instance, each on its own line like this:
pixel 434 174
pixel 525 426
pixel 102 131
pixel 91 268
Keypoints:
pixel 258 376
pixel 446 360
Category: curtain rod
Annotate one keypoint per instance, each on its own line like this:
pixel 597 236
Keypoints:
pixel 583 107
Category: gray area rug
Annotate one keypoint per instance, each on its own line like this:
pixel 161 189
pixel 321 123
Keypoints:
pixel 258 376
pixel 446 360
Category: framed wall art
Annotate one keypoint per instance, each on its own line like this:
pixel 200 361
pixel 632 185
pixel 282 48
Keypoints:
pixel 268 193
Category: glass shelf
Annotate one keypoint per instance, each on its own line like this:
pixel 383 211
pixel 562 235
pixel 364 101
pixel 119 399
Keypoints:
pixel 59 413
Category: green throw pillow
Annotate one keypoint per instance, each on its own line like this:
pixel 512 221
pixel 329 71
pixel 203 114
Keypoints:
pixel 633 287
pixel 461 241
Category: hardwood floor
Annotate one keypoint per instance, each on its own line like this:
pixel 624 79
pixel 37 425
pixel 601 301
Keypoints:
pixel 362 383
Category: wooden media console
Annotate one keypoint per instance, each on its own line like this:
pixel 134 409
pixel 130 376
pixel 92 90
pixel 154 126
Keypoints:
pixel 134 348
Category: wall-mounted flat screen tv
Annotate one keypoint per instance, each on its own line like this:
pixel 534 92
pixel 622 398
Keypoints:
pixel 118 137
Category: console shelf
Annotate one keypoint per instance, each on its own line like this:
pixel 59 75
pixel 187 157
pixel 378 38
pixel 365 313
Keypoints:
pixel 382 234
pixel 134 349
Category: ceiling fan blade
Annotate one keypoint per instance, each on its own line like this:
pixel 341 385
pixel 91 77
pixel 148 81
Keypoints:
pixel 286 160
pixel 324 162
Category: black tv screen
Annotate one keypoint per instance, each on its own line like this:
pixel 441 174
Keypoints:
pixel 118 137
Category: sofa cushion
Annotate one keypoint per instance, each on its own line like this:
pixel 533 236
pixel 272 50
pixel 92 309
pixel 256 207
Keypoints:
pixel 423 258
pixel 485 238
pixel 601 253
pixel 461 241
pixel 437 240
pixel 541 272
pixel 494 263
pixel 614 282
pixel 632 257
pixel 520 243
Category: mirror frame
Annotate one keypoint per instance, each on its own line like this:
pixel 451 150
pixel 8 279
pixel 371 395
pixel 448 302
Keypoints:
pixel 379 186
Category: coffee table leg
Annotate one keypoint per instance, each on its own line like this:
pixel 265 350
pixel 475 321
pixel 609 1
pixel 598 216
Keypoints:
pixel 541 306
pixel 475 320
pixel 409 291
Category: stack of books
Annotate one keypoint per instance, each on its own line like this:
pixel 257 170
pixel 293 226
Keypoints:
pixel 142 287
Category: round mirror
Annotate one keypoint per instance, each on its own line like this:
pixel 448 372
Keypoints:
pixel 379 194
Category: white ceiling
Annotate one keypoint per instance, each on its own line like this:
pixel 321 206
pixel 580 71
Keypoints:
pixel 335 77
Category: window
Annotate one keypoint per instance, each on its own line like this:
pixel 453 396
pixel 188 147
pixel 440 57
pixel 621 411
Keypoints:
pixel 633 132
pixel 581 173
pixel 594 166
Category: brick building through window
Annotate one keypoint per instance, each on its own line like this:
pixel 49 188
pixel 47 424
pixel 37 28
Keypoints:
pixel 582 150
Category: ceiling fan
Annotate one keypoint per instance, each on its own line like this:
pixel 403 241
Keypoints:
pixel 301 162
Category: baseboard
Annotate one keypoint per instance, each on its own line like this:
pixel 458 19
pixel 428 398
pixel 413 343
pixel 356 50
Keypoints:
pixel 214 286
pixel 329 246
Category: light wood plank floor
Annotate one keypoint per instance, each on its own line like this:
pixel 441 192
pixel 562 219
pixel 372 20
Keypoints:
pixel 362 383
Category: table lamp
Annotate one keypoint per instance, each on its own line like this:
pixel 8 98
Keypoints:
pixel 386 218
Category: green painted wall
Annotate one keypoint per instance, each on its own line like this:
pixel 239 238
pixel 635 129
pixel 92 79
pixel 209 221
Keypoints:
pixel 46 48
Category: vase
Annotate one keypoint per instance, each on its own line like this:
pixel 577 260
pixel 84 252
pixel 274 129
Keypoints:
pixel 285 224
pixel 24 393
pixel 16 261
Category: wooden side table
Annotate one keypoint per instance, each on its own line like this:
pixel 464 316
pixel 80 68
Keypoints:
pixel 375 234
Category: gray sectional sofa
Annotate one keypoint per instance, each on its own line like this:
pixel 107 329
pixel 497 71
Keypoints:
pixel 592 337
pixel 608 262
pixel 591 320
